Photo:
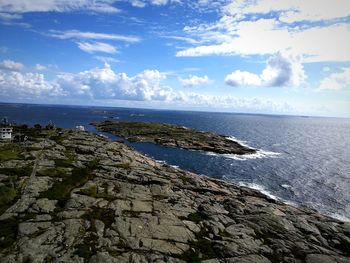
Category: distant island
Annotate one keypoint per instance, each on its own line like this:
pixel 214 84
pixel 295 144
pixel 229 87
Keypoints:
pixel 173 136
pixel 73 196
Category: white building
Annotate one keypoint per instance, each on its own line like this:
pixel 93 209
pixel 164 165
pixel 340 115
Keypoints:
pixel 5 133
pixel 80 128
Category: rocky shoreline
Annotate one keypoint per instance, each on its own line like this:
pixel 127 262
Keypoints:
pixel 69 196
pixel 173 136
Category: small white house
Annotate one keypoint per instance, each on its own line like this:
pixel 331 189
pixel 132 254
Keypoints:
pixel 5 133
pixel 80 128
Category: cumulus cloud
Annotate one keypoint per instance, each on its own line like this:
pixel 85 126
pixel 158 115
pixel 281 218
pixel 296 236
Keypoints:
pixel 264 27
pixel 11 65
pixel 104 84
pixel 195 81
pixel 93 47
pixel 40 67
pixel 24 6
pixel 76 34
pixel 336 81
pixel 280 71
pixel 26 85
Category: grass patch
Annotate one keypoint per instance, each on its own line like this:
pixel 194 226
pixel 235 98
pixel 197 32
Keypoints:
pixel 66 163
pixel 88 248
pixel 125 166
pixel 93 192
pixel 52 172
pixel 197 217
pixel 8 232
pixel 61 190
pixel 20 172
pixel 106 215
pixel 8 195
pixel 9 152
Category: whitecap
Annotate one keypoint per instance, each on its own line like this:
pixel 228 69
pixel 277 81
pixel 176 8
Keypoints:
pixel 257 155
pixel 340 217
pixel 233 138
pixel 259 188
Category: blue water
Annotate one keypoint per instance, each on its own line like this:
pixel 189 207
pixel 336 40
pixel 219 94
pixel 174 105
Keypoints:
pixel 304 160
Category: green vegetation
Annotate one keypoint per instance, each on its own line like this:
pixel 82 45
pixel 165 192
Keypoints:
pixel 9 152
pixel 68 163
pixel 125 166
pixel 20 172
pixel 8 232
pixel 93 192
pixel 53 172
pixel 61 189
pixel 8 195
pixel 106 215
pixel 197 217
pixel 88 248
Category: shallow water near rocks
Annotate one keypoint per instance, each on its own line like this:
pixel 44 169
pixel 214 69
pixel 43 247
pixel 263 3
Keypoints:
pixel 301 160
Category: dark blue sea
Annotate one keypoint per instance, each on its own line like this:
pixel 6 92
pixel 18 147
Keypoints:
pixel 301 160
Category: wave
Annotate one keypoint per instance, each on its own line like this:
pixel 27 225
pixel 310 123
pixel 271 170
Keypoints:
pixel 258 155
pixel 339 217
pixel 259 188
pixel 263 190
pixel 241 142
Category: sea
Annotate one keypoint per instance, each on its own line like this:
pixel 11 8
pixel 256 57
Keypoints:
pixel 303 161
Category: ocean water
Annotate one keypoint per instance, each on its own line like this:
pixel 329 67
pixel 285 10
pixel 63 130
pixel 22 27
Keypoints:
pixel 301 160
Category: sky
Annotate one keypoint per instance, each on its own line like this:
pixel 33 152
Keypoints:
pixel 255 56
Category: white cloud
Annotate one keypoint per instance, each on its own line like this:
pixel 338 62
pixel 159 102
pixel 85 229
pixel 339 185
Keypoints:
pixel 11 65
pixel 106 85
pixel 40 67
pixel 26 85
pixel 194 81
pixel 106 59
pixel 266 36
pixel 336 81
pixel 292 10
pixel 9 17
pixel 264 27
pixel 159 2
pixel 25 6
pixel 143 3
pixel 138 3
pixel 75 34
pixel 243 78
pixel 280 71
pixel 93 47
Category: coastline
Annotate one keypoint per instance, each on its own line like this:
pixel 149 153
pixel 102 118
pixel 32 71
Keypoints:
pixel 126 205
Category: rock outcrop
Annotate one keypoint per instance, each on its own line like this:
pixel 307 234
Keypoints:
pixel 80 198
pixel 173 136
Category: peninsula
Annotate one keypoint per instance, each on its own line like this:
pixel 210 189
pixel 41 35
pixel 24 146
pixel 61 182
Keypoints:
pixel 173 136
pixel 71 196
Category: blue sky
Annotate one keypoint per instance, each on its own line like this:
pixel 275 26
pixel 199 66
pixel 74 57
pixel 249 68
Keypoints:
pixel 262 56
